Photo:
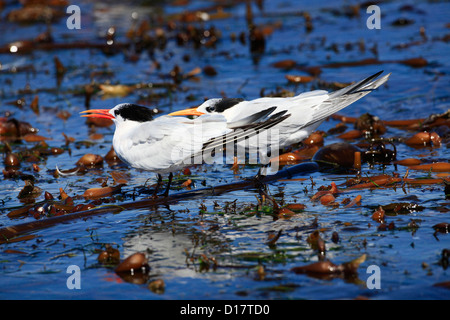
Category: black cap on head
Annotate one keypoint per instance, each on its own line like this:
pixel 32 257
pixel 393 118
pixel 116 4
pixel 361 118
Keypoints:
pixel 133 112
pixel 223 104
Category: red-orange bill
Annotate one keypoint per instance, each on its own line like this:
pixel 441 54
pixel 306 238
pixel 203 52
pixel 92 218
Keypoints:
pixel 187 112
pixel 97 113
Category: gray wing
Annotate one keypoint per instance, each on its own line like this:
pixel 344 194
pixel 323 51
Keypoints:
pixel 246 131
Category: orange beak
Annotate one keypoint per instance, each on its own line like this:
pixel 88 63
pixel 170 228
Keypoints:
pixel 97 113
pixel 187 112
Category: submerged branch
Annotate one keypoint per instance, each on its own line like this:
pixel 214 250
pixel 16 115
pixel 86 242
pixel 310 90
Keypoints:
pixel 7 233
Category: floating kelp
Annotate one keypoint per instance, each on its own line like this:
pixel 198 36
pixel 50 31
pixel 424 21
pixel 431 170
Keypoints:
pixel 328 270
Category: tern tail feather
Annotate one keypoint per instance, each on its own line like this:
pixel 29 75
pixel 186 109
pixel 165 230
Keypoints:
pixel 342 98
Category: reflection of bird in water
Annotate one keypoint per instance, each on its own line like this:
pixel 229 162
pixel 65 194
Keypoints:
pixel 167 251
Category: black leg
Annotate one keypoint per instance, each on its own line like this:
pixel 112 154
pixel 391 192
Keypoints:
pixel 166 193
pixel 258 180
pixel 263 189
pixel 158 184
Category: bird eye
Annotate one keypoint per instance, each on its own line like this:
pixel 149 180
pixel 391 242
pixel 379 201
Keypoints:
pixel 211 109
pixel 119 113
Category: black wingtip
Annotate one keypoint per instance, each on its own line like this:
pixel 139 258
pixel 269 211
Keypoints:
pixel 373 76
pixel 364 82
pixel 252 119
pixel 378 73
